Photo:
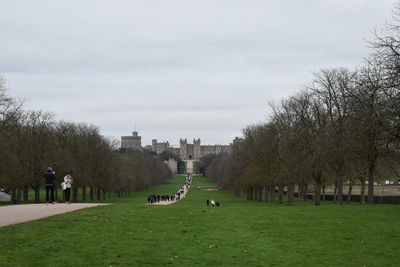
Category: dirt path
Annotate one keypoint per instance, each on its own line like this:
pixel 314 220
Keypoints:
pixel 14 214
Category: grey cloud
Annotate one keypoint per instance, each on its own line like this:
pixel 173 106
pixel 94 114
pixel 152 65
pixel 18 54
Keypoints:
pixel 177 68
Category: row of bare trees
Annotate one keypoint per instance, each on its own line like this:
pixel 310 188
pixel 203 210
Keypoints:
pixel 344 127
pixel 30 141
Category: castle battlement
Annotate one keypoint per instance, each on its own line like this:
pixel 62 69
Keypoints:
pixel 186 151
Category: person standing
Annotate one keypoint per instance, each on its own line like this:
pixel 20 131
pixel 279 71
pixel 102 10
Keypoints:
pixel 49 177
pixel 68 185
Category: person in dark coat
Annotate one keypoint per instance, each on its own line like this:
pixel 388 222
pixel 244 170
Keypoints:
pixel 208 203
pixel 49 178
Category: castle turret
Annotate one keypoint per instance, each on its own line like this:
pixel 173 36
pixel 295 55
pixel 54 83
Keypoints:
pixel 154 145
pixel 183 149
pixel 196 149
pixel 131 142
pixel 137 140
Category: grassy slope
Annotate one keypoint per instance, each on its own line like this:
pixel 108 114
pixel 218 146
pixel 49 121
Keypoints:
pixel 239 233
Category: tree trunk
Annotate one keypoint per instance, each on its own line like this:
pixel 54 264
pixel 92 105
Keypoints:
pixel 91 192
pixel 335 193
pixel 362 193
pixel 84 193
pixel 37 194
pixel 306 192
pixel 298 191
pixel 349 192
pixel 290 194
pixel 25 194
pixel 104 194
pixel 272 193
pixel 75 192
pixel 55 194
pixel 340 179
pixel 19 195
pixel 13 196
pixel 236 192
pixel 318 182
pixel 323 192
pixel 98 194
pixel 266 193
pixel 303 190
pixel 317 197
pixel 260 190
pixel 371 171
pixel 280 194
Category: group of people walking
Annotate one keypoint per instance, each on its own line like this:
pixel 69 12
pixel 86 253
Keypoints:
pixel 152 199
pixel 157 198
pixel 50 179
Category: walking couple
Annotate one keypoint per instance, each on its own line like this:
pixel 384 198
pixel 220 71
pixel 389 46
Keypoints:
pixel 50 177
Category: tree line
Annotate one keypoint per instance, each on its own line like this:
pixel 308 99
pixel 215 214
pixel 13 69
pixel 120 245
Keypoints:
pixel 343 127
pixel 31 141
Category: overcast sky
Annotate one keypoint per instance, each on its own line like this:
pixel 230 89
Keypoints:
pixel 192 69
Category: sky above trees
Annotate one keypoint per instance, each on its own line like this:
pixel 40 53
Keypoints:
pixel 176 68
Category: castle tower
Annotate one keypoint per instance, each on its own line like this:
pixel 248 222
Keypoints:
pixel 183 149
pixel 137 140
pixel 154 145
pixel 131 142
pixel 196 149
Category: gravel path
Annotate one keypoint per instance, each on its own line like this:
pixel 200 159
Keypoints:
pixel 14 214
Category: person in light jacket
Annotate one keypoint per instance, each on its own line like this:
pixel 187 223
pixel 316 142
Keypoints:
pixel 67 185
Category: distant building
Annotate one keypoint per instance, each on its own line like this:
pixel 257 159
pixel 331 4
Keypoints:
pixel 186 151
pixel 159 147
pixel 131 142
pixel 194 151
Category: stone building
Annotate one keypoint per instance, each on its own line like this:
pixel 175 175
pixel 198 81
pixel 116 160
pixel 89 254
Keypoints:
pixel 196 151
pixel 131 142
pixel 159 147
pixel 186 151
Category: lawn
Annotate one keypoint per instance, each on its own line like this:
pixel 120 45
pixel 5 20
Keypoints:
pixel 239 233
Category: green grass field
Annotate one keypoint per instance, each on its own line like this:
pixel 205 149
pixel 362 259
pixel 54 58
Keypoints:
pixel 239 233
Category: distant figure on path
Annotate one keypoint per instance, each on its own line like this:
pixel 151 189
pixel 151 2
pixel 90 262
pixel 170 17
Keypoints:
pixel 208 203
pixel 49 178
pixel 68 185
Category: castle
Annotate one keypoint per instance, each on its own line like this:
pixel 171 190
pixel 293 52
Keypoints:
pixel 131 142
pixel 186 151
